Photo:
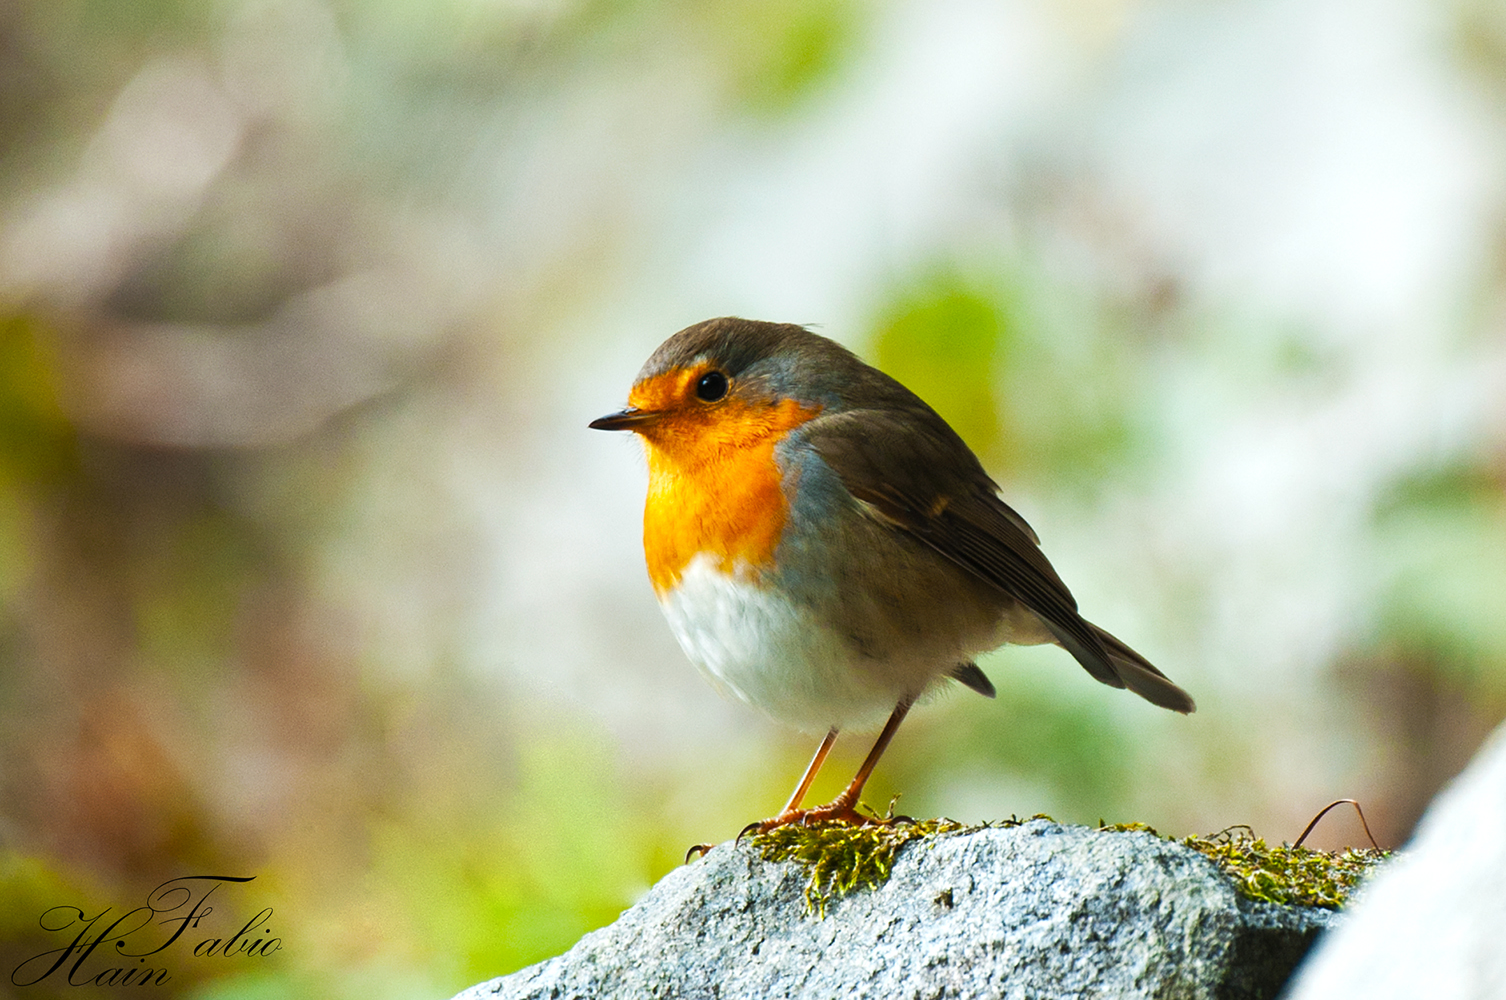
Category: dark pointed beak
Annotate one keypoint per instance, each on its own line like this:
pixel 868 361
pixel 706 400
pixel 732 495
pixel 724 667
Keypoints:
pixel 624 420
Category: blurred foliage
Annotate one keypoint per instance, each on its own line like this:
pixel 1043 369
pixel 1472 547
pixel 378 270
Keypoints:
pixel 37 443
pixel 1441 543
pixel 1034 377
pixel 776 53
pixel 177 20
pixel 1045 728
pixel 564 854
pixel 1480 34
pixel 30 886
pixel 945 342
pixel 441 889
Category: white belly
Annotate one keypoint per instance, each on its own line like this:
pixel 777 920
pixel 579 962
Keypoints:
pixel 774 655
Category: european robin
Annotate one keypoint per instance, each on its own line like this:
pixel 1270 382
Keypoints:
pixel 825 546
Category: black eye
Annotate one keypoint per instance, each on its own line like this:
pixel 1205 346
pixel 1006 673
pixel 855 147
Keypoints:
pixel 711 387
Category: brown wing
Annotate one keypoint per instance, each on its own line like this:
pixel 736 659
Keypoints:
pixel 913 472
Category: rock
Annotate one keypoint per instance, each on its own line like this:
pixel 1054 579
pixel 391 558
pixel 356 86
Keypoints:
pixel 1430 924
pixel 1039 910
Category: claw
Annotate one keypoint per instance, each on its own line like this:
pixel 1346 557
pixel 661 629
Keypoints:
pixel 699 851
pixel 833 812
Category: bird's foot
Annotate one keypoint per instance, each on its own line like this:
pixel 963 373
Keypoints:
pixel 840 810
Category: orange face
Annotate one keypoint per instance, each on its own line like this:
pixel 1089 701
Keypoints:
pixel 713 484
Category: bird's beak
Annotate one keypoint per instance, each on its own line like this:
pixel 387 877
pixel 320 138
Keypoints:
pixel 625 420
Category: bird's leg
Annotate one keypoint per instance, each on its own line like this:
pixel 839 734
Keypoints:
pixel 792 813
pixel 810 772
pixel 844 806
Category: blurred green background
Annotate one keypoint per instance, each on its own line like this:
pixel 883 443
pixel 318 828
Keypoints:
pixel 310 569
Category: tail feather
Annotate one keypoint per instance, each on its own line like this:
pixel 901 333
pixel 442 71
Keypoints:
pixel 1113 663
pixel 1141 677
pixel 969 674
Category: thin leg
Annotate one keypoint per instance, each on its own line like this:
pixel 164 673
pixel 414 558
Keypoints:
pixel 791 811
pixel 849 796
pixel 810 772
pixel 843 807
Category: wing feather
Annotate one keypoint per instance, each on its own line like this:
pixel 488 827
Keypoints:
pixel 910 470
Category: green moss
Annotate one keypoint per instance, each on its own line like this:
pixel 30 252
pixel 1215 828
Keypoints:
pixel 839 858
pixel 1282 873
pixel 1127 828
pixel 1286 874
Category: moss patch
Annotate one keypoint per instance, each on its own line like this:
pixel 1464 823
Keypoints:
pixel 1292 876
pixel 1281 873
pixel 839 858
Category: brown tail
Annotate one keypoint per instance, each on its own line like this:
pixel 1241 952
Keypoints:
pixel 1142 678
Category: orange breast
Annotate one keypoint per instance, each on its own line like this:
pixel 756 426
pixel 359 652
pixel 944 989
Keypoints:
pixel 714 487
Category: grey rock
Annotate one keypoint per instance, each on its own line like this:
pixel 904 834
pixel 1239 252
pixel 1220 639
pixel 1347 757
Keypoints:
pixel 1039 910
pixel 1431 923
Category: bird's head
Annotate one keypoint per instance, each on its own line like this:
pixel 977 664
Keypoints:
pixel 726 384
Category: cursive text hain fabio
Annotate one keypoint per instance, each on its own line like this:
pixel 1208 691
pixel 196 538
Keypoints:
pixel 106 952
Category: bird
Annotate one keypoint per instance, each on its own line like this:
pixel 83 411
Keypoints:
pixel 827 549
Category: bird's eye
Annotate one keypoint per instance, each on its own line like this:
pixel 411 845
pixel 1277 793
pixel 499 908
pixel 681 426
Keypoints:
pixel 711 387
